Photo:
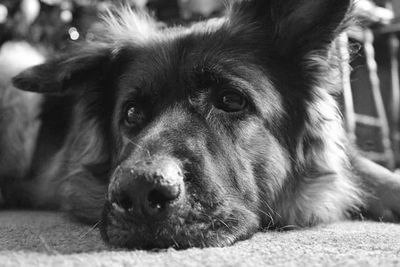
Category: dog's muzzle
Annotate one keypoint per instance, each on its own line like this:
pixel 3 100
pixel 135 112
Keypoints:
pixel 147 190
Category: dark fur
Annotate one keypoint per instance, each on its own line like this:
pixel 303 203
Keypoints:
pixel 283 161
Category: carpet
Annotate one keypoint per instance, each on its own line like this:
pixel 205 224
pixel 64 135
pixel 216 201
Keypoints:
pixel 32 238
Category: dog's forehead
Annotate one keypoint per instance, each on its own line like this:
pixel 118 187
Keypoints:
pixel 174 63
pixel 177 54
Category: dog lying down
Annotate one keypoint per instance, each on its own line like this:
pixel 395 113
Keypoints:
pixel 194 136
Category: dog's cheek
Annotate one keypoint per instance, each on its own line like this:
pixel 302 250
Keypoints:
pixel 206 172
pixel 267 166
pixel 224 184
pixel 232 157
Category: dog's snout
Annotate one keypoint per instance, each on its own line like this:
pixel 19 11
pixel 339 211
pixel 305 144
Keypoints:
pixel 148 189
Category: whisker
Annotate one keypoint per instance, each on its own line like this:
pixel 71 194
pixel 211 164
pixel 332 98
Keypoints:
pixel 175 243
pixel 266 213
pixel 271 209
pixel 47 246
pixel 140 147
pixel 291 226
pixel 208 117
pixel 90 230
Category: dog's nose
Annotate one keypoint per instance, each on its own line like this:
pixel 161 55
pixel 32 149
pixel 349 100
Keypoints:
pixel 149 189
pixel 147 199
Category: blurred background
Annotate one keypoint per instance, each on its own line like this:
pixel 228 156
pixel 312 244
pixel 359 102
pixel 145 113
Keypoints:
pixel 31 30
pixel 50 25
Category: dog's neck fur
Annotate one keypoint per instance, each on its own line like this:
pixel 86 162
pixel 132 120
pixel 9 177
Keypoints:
pixel 326 189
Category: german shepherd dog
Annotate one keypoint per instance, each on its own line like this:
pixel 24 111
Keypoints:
pixel 193 136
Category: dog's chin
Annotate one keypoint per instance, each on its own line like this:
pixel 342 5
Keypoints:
pixel 180 231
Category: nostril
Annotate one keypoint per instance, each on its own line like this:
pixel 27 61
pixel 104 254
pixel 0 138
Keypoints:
pixel 124 201
pixel 159 197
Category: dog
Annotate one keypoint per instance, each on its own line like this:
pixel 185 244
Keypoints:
pixel 194 136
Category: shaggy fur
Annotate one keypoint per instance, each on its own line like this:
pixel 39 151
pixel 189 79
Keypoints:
pixel 220 172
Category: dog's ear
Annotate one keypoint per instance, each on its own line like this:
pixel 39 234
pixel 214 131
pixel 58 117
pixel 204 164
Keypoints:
pixel 294 27
pixel 60 75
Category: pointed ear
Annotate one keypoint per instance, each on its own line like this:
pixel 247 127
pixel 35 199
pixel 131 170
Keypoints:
pixel 59 75
pixel 295 26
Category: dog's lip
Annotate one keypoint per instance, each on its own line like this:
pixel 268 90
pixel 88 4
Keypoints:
pixel 126 225
pixel 179 231
pixel 139 216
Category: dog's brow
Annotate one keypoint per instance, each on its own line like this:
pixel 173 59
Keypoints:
pixel 218 75
pixel 206 72
pixel 213 75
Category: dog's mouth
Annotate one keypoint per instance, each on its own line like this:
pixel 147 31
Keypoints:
pixel 190 226
pixel 155 204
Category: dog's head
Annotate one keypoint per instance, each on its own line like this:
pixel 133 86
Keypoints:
pixel 206 128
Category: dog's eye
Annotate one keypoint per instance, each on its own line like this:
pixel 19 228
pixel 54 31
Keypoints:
pixel 132 115
pixel 231 101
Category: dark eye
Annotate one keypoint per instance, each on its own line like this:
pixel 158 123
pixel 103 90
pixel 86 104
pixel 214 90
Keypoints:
pixel 132 115
pixel 231 101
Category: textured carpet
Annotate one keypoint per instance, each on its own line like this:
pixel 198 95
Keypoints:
pixel 51 239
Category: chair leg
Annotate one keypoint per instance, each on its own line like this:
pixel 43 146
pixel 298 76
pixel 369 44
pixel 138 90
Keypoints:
pixel 395 93
pixel 350 120
pixel 377 96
